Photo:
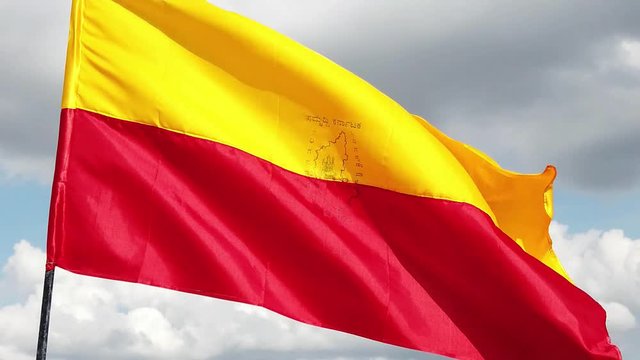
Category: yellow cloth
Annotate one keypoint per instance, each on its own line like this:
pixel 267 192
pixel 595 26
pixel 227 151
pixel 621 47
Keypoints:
pixel 272 97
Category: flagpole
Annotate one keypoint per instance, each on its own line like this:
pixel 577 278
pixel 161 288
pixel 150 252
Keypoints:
pixel 41 353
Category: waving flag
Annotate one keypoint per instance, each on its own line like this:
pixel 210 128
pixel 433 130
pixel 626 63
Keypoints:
pixel 202 152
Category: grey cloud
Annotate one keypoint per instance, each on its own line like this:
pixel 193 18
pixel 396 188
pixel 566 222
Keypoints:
pixel 530 83
pixel 32 51
pixel 498 56
pixel 546 70
pixel 611 162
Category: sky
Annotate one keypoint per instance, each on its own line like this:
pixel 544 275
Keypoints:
pixel 529 83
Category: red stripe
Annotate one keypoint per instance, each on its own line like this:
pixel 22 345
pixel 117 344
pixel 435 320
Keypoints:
pixel 146 205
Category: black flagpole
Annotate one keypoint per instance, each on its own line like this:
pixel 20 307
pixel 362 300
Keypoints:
pixel 41 353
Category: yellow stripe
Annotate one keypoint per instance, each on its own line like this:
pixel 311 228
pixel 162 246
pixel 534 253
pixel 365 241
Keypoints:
pixel 521 203
pixel 189 67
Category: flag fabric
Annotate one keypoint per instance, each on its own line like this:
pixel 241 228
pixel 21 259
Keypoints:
pixel 203 152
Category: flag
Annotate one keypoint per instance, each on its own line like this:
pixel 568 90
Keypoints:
pixel 203 152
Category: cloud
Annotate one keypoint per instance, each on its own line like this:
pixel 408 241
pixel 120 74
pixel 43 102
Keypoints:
pixel 9 352
pixel 619 317
pixel 606 264
pixel 32 52
pixel 555 82
pixel 100 319
pixel 631 53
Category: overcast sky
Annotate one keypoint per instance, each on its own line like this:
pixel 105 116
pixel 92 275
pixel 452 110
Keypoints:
pixel 544 82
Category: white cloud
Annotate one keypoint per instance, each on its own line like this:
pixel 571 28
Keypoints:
pixel 606 264
pixel 24 268
pixel 160 337
pixel 102 319
pixel 631 52
pixel 619 317
pixel 9 352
